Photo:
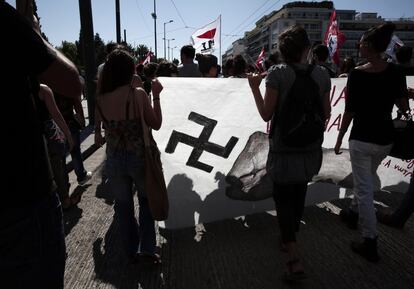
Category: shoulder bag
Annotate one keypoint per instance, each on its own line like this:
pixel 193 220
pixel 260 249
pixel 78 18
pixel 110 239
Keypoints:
pixel 155 187
pixel 403 147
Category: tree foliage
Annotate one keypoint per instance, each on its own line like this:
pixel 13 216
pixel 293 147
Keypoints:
pixel 70 50
pixel 142 51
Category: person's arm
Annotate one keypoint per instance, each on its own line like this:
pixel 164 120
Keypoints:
pixel 61 76
pixel 346 121
pixel 265 105
pixel 99 140
pixel 348 114
pixel 152 115
pixel 80 117
pixel 46 94
pixel 50 65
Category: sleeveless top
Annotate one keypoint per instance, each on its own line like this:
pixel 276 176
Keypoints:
pixel 124 135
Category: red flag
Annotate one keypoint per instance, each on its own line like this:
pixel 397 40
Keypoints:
pixel 334 38
pixel 147 58
pixel 260 65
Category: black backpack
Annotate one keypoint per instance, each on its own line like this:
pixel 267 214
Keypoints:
pixel 301 118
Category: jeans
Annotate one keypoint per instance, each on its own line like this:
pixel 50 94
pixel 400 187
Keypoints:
pixel 290 202
pixel 32 246
pixel 124 170
pixel 365 159
pixel 60 174
pixel 76 154
pixel 406 207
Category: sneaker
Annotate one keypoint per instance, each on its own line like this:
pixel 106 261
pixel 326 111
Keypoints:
pixel 85 179
pixel 350 218
pixel 367 249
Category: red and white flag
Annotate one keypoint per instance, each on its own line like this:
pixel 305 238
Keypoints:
pixel 260 62
pixel 395 44
pixel 147 58
pixel 207 39
pixel 334 38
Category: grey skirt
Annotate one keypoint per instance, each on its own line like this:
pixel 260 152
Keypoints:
pixel 294 167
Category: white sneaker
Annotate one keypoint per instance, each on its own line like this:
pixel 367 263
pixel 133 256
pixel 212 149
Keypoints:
pixel 87 177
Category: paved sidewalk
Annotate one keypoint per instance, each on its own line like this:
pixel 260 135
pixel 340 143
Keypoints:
pixel 229 254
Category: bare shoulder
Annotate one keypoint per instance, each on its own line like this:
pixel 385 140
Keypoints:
pixel 363 67
pixel 139 92
pixel 45 92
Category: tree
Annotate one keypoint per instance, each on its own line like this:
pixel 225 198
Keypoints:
pixel 142 51
pixel 100 50
pixel 70 50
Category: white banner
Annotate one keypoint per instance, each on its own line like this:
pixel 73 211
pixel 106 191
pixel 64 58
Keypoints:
pixel 211 128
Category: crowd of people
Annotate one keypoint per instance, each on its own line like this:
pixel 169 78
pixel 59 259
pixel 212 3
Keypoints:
pixel 45 90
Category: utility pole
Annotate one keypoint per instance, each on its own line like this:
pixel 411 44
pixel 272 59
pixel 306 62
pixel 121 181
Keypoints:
pixel 125 36
pixel 85 11
pixel 118 22
pixel 165 39
pixel 154 15
pixel 169 47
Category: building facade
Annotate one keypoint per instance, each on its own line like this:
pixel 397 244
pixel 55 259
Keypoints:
pixel 314 17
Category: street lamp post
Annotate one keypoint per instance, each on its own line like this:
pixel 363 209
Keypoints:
pixel 154 15
pixel 165 50
pixel 172 52
pixel 169 47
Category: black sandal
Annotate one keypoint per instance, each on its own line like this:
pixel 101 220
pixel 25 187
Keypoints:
pixel 292 276
pixel 148 259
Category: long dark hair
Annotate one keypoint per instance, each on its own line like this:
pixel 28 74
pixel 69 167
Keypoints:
pixel 206 62
pixel 379 37
pixel 117 71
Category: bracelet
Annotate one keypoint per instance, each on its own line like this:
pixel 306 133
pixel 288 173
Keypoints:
pixel 155 98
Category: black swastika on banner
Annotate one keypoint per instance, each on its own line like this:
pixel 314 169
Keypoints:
pixel 201 143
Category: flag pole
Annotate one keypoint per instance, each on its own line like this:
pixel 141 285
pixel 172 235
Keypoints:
pixel 221 60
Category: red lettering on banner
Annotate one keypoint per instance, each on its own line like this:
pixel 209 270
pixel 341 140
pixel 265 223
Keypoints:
pixel 405 171
pixel 336 122
pixel 341 96
pixel 332 93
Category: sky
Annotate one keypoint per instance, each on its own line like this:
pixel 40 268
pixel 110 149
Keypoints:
pixel 60 18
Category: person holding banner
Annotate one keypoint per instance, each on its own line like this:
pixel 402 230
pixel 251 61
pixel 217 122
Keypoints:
pixel 373 87
pixel 119 108
pixel 291 167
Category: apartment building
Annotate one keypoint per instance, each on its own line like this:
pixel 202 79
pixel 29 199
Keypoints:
pixel 314 17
